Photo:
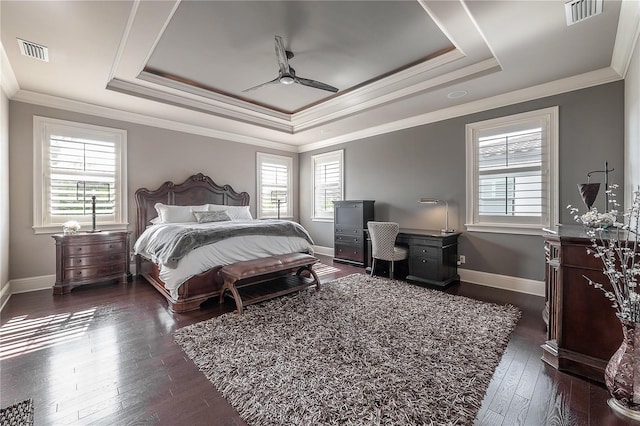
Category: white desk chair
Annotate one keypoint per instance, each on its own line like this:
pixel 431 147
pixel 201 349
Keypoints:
pixel 383 240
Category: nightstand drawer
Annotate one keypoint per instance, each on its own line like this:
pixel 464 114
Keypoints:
pixel 87 261
pixel 92 249
pixel 94 272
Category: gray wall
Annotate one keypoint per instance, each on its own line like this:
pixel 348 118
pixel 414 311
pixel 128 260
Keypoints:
pixel 396 169
pixel 4 194
pixel 154 156
pixel 632 126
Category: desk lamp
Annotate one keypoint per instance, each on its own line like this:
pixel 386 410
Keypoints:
pixel 446 214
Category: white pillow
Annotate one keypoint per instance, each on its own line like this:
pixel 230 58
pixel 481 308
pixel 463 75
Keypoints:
pixel 177 214
pixel 234 212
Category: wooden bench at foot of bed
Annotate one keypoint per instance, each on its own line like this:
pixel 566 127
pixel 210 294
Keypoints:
pixel 275 275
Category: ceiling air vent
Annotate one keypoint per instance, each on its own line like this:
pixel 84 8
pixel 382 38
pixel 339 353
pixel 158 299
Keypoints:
pixel 33 50
pixel 579 10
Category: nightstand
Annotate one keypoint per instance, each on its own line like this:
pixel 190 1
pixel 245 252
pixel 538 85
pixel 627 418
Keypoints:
pixel 88 258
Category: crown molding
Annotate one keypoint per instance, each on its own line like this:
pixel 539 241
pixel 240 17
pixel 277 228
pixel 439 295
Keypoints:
pixel 8 80
pixel 147 120
pixel 594 78
pixel 626 36
pixel 216 108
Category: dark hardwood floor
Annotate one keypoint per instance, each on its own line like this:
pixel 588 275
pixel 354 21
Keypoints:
pixel 105 355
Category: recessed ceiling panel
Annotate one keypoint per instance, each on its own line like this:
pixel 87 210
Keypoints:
pixel 227 47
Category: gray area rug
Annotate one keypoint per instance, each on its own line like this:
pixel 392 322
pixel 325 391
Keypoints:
pixel 361 351
pixel 20 414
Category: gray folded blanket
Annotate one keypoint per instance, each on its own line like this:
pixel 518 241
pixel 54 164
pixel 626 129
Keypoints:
pixel 178 241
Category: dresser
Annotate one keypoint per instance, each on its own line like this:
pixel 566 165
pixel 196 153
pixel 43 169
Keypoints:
pixel 350 222
pixel 87 258
pixel 583 331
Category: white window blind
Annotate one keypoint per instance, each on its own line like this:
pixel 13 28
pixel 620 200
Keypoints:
pixel 328 183
pixel 510 176
pixel 274 185
pixel 77 162
pixel 512 173
pixel 79 170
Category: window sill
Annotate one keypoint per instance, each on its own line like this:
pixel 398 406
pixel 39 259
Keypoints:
pixel 56 229
pixel 503 228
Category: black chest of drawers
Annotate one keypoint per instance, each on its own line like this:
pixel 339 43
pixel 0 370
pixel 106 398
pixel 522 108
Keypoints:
pixel 350 222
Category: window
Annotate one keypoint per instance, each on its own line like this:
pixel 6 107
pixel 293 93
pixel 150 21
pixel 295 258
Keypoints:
pixel 274 185
pixel 512 173
pixel 74 162
pixel 328 183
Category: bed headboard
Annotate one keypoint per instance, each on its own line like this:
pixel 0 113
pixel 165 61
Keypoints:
pixel 197 189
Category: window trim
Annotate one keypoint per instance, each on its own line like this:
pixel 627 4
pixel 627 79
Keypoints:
pixel 42 126
pixel 550 117
pixel 288 161
pixel 314 159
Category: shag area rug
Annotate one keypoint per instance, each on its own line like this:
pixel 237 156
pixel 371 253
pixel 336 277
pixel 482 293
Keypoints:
pixel 20 414
pixel 361 351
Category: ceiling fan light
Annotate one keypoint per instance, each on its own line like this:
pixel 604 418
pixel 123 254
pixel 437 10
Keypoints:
pixel 287 79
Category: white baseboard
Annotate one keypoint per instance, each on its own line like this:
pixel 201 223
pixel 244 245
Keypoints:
pixel 24 285
pixel 505 282
pixel 5 294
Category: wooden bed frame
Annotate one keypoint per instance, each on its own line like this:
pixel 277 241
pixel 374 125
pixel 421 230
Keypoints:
pixel 197 189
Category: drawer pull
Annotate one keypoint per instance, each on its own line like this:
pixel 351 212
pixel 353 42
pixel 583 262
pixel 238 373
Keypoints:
pixel 424 261
pixel 79 248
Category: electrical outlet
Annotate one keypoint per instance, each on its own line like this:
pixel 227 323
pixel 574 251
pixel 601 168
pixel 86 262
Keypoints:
pixel 462 259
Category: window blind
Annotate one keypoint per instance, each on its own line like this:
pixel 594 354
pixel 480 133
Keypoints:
pixel 327 183
pixel 275 186
pixel 510 174
pixel 79 169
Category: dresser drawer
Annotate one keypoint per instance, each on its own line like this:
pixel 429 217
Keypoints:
pixel 78 274
pixel 93 249
pixel 348 239
pixel 425 267
pixel 425 251
pixel 349 252
pixel 87 261
pixel 348 230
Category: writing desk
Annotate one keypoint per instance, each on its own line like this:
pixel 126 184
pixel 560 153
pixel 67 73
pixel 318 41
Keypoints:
pixel 433 256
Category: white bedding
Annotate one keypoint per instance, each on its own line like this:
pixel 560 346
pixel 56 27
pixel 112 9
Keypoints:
pixel 223 252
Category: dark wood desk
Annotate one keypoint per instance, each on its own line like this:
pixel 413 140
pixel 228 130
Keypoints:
pixel 433 257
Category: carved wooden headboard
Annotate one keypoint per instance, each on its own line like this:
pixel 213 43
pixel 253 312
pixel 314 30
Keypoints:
pixel 197 189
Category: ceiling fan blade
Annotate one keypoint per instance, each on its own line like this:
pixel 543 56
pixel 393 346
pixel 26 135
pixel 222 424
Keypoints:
pixel 274 81
pixel 281 53
pixel 315 84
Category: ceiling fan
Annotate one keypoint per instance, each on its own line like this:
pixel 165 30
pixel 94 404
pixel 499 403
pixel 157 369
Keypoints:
pixel 288 75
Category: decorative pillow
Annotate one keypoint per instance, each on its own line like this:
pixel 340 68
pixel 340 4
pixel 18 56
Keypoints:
pixel 215 216
pixel 234 212
pixel 177 214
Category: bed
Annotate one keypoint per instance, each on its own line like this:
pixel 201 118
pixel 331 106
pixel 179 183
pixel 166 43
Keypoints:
pixel 185 294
